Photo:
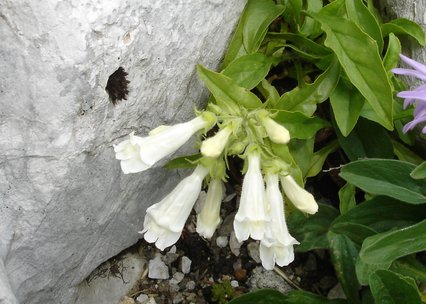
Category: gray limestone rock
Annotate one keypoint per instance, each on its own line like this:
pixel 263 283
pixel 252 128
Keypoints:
pixel 65 205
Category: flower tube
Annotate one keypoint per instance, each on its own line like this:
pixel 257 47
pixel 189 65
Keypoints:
pixel 165 220
pixel 209 217
pixel 213 146
pixel 301 199
pixel 277 245
pixel 159 144
pixel 251 217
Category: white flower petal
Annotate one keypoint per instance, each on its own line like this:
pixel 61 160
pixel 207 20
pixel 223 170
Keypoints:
pixel 276 132
pixel 251 217
pixel 300 198
pixel 209 217
pixel 213 146
pixel 169 140
pixel 165 220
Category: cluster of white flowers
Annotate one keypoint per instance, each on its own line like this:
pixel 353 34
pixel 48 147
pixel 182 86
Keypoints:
pixel 261 208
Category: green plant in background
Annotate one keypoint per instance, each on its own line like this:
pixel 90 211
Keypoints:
pixel 222 292
pixel 295 68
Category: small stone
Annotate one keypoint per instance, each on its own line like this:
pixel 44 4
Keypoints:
pixel 234 283
pixel 234 245
pixel 237 265
pixel 241 274
pixel 190 285
pixel 253 251
pixel 157 269
pixel 185 264
pixel 261 278
pixel 178 298
pixel 170 257
pixel 127 300
pixel 177 278
pixel 227 225
pixel 142 298
pixel 172 249
pixel 222 241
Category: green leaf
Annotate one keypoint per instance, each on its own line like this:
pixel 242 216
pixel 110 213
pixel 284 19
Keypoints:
pixel 406 27
pixel 359 56
pixel 405 154
pixel 410 266
pixel 367 140
pixel 319 157
pixel 269 92
pixel 356 232
pixel 386 177
pixel 343 255
pixel 269 296
pixel 306 98
pixel 391 288
pixel 419 172
pixel 249 70
pixel 346 102
pixel 299 125
pixel 347 198
pixel 252 28
pixel 310 27
pixel 359 13
pixel 388 246
pixel 391 58
pixel 227 92
pixel 381 214
pixel 311 232
pixel 302 43
pixel 256 26
pixel 183 162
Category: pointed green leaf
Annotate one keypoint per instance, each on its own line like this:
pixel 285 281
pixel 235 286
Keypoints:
pixel 386 177
pixel 391 59
pixel 419 172
pixel 405 154
pixel 346 102
pixel 356 232
pixel 388 246
pixel 347 198
pixel 249 70
pixel 360 14
pixel 367 140
pixel 227 92
pixel 263 12
pixel 183 162
pixel 389 287
pixel 306 98
pixel 406 27
pixel 343 255
pixel 410 266
pixel 382 214
pixel 359 56
pixel 311 232
pixel 319 157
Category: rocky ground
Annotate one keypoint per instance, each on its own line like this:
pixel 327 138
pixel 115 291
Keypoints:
pixel 197 270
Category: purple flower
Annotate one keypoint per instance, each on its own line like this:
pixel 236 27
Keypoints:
pixel 416 96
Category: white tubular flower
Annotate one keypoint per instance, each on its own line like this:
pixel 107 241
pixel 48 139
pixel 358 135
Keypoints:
pixel 276 132
pixel 209 217
pixel 301 199
pixel 141 153
pixel 213 146
pixel 251 217
pixel 128 152
pixel 164 221
pixel 277 245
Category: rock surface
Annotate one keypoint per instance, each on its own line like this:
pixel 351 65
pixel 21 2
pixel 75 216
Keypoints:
pixel 65 205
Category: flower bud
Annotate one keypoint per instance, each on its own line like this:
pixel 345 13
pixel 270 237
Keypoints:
pixel 301 199
pixel 213 146
pixel 276 132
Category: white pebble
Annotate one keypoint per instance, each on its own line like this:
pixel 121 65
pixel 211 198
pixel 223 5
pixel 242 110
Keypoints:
pixel 157 269
pixel 190 285
pixel 142 298
pixel 222 241
pixel 177 278
pixel 234 283
pixel 234 245
pixel 186 264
